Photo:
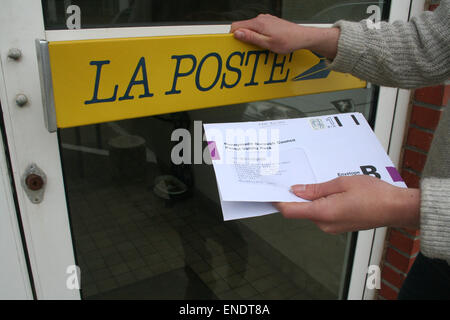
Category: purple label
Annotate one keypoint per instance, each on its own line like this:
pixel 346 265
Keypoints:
pixel 394 174
pixel 213 150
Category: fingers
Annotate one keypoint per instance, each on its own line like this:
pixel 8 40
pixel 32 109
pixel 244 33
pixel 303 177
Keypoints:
pixel 296 210
pixel 252 37
pixel 252 31
pixel 323 212
pixel 254 24
pixel 268 32
pixel 351 203
pixel 319 190
pixel 323 195
pixel 246 24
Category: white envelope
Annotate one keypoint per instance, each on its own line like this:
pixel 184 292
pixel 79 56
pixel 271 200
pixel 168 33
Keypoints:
pixel 256 163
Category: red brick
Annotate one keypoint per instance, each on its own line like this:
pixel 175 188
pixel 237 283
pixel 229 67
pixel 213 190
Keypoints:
pixel 398 260
pixel 414 160
pixel 387 293
pixel 425 117
pixel 419 139
pixel 432 95
pixel 393 277
pixel 411 179
pixel 413 232
pixel 403 243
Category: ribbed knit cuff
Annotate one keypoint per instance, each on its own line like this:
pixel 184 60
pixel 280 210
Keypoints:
pixel 435 218
pixel 351 46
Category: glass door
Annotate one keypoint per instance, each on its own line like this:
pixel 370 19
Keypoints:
pixel 137 225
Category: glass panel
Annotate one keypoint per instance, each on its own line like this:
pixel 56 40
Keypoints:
pixel 145 228
pixel 118 13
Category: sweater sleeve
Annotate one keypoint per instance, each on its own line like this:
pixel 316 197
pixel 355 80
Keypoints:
pixel 401 54
pixel 435 218
pixel 410 55
pixel 435 195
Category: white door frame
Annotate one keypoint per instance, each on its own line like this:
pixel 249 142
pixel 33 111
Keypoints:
pixel 14 280
pixel 390 126
pixel 46 225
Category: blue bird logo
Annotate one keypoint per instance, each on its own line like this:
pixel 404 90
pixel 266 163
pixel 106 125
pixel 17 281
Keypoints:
pixel 318 71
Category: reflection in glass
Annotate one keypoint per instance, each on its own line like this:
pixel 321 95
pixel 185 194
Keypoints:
pixel 120 13
pixel 144 228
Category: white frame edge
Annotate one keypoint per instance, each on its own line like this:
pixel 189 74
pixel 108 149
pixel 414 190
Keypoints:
pixel 14 278
pixel 45 225
pixel 111 33
pixel 398 124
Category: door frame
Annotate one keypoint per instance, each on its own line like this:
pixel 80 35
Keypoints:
pixel 14 279
pixel 46 226
pixel 395 104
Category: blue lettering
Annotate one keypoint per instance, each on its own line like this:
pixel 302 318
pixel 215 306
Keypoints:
pixel 133 82
pixel 233 69
pixel 200 65
pixel 95 98
pixel 278 65
pixel 257 55
pixel 178 74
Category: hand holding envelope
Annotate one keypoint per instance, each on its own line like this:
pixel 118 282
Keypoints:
pixel 354 203
pixel 299 151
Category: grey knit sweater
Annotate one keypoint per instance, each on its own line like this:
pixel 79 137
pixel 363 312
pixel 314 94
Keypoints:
pixel 410 55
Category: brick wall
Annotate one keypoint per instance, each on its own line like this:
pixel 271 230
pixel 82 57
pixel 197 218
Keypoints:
pixel 403 245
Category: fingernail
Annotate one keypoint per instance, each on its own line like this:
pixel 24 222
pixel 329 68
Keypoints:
pixel 298 188
pixel 239 34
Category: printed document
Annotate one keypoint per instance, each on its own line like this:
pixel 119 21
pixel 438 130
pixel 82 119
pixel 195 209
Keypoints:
pixel 256 163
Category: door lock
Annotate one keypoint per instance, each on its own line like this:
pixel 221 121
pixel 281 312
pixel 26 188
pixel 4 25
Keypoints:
pixel 33 182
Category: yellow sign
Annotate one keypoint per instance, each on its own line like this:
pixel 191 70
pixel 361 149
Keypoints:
pixel 113 79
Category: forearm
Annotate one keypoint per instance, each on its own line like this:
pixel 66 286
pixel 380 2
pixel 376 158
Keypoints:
pixel 323 41
pixel 282 36
pixel 400 54
pixel 406 208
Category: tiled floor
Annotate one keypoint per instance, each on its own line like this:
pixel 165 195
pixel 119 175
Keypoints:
pixel 125 234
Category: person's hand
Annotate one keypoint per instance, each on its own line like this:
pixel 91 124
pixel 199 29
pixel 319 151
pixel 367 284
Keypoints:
pixel 268 32
pixel 281 36
pixel 354 203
